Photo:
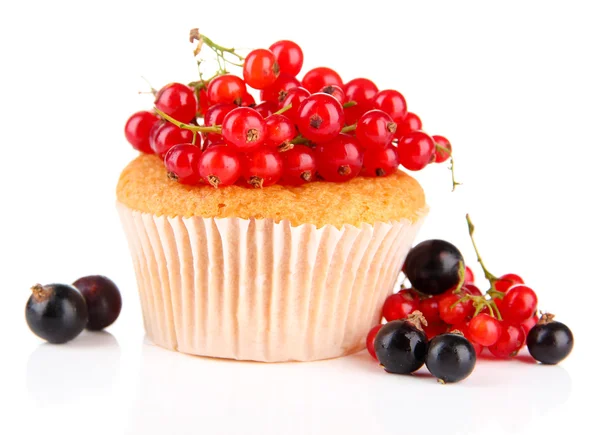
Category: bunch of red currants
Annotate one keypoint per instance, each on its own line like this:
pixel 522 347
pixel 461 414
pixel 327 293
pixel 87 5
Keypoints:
pixel 212 131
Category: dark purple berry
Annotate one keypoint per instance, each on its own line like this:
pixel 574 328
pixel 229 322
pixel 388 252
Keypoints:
pixel 450 358
pixel 103 300
pixel 550 342
pixel 401 347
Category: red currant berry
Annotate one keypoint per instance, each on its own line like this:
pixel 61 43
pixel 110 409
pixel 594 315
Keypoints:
pixel 399 306
pixel 182 162
pixel 289 56
pixel 220 166
pixel 320 118
pixel 203 104
pixel 464 329
pixel 244 128
pixel 247 101
pixel 178 101
pixel 339 160
pixel 411 122
pixel 278 90
pixel 375 129
pixel 518 305
pixel 472 289
pixel 391 102
pixel 137 130
pixel 511 340
pixel 506 281
pixel 335 91
pixel 227 88
pixel 353 114
pixel 469 276
pixel 215 116
pixel 280 130
pixel 484 329
pixel 434 329
pixel 443 149
pixel 530 323
pixel 262 168
pixel 452 311
pixel 317 78
pixel 430 308
pixel 294 97
pixel 379 162
pixel 360 90
pixel 371 340
pixel 166 135
pixel 266 108
pixel 415 150
pixel 260 68
pixel 299 166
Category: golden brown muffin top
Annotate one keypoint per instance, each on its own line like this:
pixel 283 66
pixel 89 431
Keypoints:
pixel 144 186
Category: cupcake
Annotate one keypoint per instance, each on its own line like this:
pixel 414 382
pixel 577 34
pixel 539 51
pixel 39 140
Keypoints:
pixel 274 274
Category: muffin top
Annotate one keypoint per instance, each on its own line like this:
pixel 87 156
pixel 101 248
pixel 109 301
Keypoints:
pixel 144 186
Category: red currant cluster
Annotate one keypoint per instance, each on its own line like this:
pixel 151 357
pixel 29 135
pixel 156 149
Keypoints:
pixel 212 131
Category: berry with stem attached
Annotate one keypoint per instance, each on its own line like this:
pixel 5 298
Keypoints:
pixel 262 168
pixel 550 342
pixel 260 68
pixel 320 118
pixel 278 90
pixel 443 149
pixel 415 150
pixel 454 309
pixel 339 160
pixel 450 357
pixel 379 162
pixel 280 131
pixel 289 56
pixel 178 101
pixel 317 78
pixel 138 128
pixel 103 300
pixel 220 166
pixel 375 129
pixel 245 128
pixel 182 162
pixel 299 166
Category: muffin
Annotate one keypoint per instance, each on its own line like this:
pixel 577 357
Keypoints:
pixel 275 274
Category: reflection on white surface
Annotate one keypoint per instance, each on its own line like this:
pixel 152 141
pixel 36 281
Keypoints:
pixel 347 395
pixel 71 372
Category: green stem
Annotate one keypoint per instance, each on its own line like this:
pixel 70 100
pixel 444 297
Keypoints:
pixel 348 128
pixel 350 104
pixel 300 140
pixel 283 109
pixel 454 182
pixel 183 125
pixel 461 277
pixel 488 275
pixel 219 49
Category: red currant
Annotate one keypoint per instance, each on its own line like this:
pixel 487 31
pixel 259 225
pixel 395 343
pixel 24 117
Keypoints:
pixel 506 281
pixel 262 168
pixel 247 100
pixel 294 97
pixel 220 166
pixel 260 68
pixel 411 122
pixel 215 116
pixel 375 129
pixel 379 162
pixel 280 130
pixel 299 166
pixel 484 329
pixel 178 101
pixel 415 150
pixel 399 306
pixel 530 323
pixel 511 340
pixel 164 136
pixel 452 311
pixel 278 90
pixel 430 308
pixel 289 56
pixel 360 90
pixel 371 340
pixel 391 102
pixel 518 305
pixel 469 276
pixel 443 149
pixel 434 329
pixel 353 114
pixel 339 160
pixel 336 92
pixel 266 108
pixel 320 118
pixel 472 289
pixel 464 329
pixel 137 130
pixel 244 128
pixel 203 104
pixel 317 78
pixel 226 89
pixel 182 162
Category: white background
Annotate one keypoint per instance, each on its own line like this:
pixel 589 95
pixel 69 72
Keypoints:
pixel 513 85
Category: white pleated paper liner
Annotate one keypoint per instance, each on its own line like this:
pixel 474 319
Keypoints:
pixel 259 290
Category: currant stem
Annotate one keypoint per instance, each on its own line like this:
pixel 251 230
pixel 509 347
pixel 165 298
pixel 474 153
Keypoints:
pixel 349 104
pixel 461 277
pixel 299 140
pixel 454 182
pixel 283 109
pixel 488 275
pixel 183 125
pixel 348 128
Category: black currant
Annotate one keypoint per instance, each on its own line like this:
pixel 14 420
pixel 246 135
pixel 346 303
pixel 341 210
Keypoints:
pixel 450 358
pixel 401 347
pixel 56 312
pixel 103 300
pixel 550 342
pixel 433 266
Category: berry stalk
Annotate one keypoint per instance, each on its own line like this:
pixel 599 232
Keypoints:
pixel 191 127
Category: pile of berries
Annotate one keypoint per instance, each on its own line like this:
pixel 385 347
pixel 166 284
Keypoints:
pixel 444 303
pixel 59 312
pixel 212 131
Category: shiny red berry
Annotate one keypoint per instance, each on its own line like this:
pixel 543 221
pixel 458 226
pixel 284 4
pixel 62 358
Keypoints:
pixel 278 90
pixel 203 103
pixel 166 135
pixel 391 102
pixel 506 281
pixel 452 311
pixel 469 276
pixel 339 160
pixel 227 88
pixel 289 56
pixel 415 150
pixel 299 166
pixel 433 329
pixel 484 329
pixel 137 130
pixel 471 289
pixel 518 305
pixel 262 168
pixel 260 68
pixel 317 78
pixel 430 307
pixel 178 101
pixel 371 340
pixel 411 122
pixel 336 92
pixel 360 90
pixel 320 118
pixel 375 129
pixel 294 97
pixel 244 128
pixel 215 116
pixel 220 166
pixel 379 162
pixel 182 162
pixel 399 306
pixel 443 149
pixel 266 108
pixel 280 130
pixel 511 340
pixel 530 323
pixel 247 101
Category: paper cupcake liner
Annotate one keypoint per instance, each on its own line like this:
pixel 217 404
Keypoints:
pixel 253 289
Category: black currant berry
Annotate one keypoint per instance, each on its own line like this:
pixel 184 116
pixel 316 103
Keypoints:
pixel 433 266
pixel 401 347
pixel 103 300
pixel 550 342
pixel 450 358
pixel 56 312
